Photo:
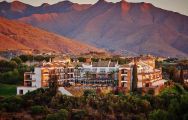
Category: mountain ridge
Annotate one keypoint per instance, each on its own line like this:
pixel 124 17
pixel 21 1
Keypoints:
pixel 138 27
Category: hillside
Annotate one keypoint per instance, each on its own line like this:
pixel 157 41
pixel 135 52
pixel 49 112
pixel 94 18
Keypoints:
pixel 17 35
pixel 137 27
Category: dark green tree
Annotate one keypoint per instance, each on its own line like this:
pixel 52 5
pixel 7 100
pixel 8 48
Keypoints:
pixel 53 84
pixel 181 76
pixel 135 78
pixel 17 60
pixel 175 75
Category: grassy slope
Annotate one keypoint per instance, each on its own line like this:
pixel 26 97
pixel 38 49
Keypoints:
pixel 7 90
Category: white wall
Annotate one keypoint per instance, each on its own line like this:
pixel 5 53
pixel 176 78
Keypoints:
pixel 25 89
pixel 37 77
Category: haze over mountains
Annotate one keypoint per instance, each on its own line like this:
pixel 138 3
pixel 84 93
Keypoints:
pixel 15 35
pixel 137 27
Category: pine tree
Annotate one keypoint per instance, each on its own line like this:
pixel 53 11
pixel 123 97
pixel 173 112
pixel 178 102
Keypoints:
pixel 135 78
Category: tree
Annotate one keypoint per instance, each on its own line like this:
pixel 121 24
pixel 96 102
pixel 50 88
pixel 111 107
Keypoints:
pixel 24 58
pixel 11 77
pixel 171 72
pixel 53 84
pixel 39 58
pixel 135 78
pixel 81 59
pixel 12 104
pixel 174 76
pixel 17 60
pixel 181 76
pixel 6 66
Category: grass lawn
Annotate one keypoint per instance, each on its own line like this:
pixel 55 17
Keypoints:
pixel 7 90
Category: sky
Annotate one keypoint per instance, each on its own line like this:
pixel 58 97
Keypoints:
pixel 180 6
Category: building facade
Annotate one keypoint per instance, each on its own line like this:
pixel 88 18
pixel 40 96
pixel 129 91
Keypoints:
pixel 93 73
pixel 147 75
pixel 101 70
pixel 42 74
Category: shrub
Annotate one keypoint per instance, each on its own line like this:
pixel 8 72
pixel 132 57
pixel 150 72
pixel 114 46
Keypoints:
pixel 11 77
pixel 89 93
pixel 51 117
pixel 38 110
pixel 158 115
pixel 61 115
pixel 12 104
pixel 78 115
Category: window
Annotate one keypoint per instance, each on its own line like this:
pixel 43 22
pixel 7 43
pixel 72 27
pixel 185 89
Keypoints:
pixel 102 70
pixel 124 71
pixel 21 92
pixel 147 84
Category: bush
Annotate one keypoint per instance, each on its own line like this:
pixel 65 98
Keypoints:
pixel 38 110
pixel 158 115
pixel 51 117
pixel 6 66
pixel 61 115
pixel 78 115
pixel 12 104
pixel 89 93
pixel 11 77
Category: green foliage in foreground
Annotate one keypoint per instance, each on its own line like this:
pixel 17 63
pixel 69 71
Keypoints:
pixel 7 90
pixel 36 110
pixel 60 115
pixel 171 104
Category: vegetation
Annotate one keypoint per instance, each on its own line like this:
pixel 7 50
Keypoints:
pixel 6 66
pixel 36 110
pixel 117 58
pixel 37 58
pixel 174 70
pixel 49 104
pixel 172 103
pixel 7 90
pixel 12 72
pixel 60 115
pixel 135 78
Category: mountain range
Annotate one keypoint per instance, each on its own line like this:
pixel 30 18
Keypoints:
pixel 138 27
pixel 15 35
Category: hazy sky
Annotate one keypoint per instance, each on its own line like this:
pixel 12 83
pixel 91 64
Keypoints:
pixel 180 6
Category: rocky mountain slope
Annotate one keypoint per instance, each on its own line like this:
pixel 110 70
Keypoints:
pixel 136 27
pixel 17 35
